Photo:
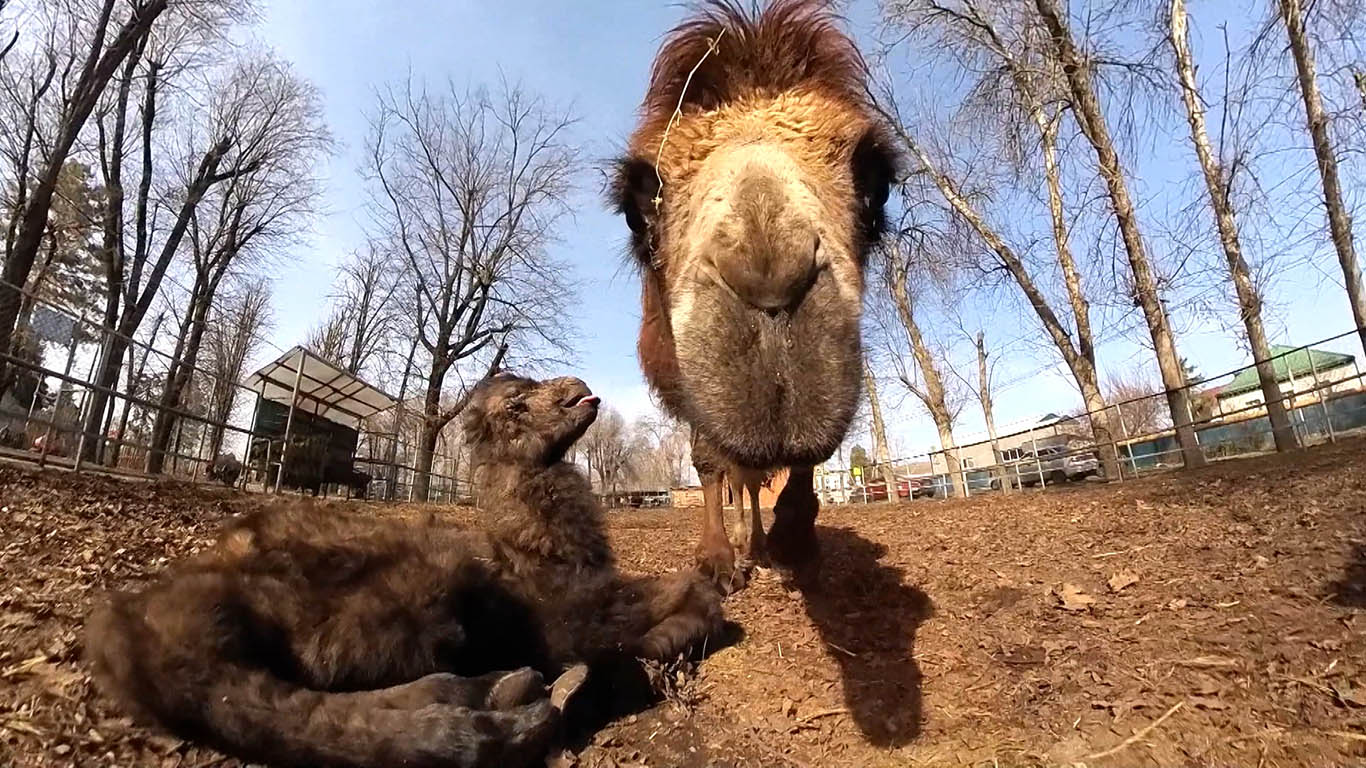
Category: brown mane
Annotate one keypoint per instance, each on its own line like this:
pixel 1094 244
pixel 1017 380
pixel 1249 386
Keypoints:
pixel 790 44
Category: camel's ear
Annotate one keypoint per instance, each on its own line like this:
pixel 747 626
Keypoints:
pixel 634 192
pixel 875 170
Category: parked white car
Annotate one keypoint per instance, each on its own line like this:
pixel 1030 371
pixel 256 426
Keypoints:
pixel 1054 465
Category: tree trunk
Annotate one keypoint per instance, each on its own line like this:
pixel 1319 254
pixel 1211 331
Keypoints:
pixel 95 73
pixel 431 429
pixel 988 413
pixel 1339 220
pixel 1217 186
pixel 882 453
pixel 1091 119
pixel 933 395
pixel 1081 362
pixel 206 175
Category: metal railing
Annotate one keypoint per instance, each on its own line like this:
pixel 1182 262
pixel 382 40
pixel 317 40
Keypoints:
pixel 51 429
pixel 1322 406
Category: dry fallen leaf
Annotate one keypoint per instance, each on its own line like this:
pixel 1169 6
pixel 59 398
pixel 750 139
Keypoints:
pixel 1121 580
pixel 1073 599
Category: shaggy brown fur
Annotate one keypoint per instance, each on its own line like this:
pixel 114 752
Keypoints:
pixel 752 211
pixel 320 637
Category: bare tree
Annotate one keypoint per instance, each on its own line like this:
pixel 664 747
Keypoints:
pixel 469 188
pixel 1077 68
pixel 1079 355
pixel 1218 185
pixel 669 449
pixel 882 452
pixel 609 450
pixel 1019 89
pixel 328 339
pixel 924 378
pixel 1339 220
pixel 174 175
pixel 91 62
pixel 6 47
pixel 363 314
pixel 1136 398
pixel 274 119
pixel 367 291
pixel 982 388
pixel 235 334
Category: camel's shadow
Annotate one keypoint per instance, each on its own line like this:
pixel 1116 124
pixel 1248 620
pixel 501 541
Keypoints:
pixel 868 616
pixel 1350 589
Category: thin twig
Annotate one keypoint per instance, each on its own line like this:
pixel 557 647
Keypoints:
pixel 1347 735
pixel 844 651
pixel 824 713
pixel 712 45
pixel 1120 552
pixel 1137 736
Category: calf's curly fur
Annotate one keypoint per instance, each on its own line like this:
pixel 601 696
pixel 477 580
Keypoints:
pixel 315 636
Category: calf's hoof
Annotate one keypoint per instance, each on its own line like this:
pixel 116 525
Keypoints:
pixel 567 684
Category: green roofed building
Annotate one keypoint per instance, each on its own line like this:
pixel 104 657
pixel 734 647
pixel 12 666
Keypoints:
pixel 1296 372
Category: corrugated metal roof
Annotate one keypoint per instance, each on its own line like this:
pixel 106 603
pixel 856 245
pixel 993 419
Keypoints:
pixel 325 389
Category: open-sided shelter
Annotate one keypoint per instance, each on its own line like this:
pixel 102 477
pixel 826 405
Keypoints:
pixel 309 413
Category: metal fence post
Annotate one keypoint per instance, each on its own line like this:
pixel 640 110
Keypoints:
pixel 289 420
pixel 251 438
pixel 1034 448
pixel 1318 392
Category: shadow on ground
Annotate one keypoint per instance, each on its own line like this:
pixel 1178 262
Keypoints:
pixel 868 616
pixel 1350 590
pixel 619 686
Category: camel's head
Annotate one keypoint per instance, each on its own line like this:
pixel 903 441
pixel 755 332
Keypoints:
pixel 754 187
pixel 516 420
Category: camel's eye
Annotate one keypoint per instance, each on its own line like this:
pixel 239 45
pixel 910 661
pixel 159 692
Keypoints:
pixel 635 192
pixel 874 170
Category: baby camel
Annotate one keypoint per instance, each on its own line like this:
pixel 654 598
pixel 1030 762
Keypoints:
pixel 323 637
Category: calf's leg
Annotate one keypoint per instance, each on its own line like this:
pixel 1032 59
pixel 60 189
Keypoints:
pixel 187 654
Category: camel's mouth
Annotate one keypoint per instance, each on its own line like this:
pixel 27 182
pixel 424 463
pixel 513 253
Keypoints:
pixel 771 389
pixel 584 400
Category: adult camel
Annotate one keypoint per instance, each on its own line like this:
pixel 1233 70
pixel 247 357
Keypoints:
pixel 754 187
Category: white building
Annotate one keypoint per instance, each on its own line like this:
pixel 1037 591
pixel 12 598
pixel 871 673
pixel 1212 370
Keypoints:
pixel 1299 372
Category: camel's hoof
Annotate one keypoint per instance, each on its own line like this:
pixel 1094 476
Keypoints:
pixel 717 564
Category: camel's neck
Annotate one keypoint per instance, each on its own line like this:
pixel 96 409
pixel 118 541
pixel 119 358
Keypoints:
pixel 548 513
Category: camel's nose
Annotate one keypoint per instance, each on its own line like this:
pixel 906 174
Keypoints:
pixel 766 250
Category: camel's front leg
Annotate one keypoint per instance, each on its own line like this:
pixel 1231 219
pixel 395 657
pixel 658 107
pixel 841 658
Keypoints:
pixel 715 555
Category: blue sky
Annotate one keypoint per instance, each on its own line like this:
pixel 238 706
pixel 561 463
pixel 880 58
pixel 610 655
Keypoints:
pixel 595 55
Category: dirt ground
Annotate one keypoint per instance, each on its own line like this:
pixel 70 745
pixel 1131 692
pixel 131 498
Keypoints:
pixel 1214 618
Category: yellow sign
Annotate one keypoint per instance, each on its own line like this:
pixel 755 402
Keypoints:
pixel 857 471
